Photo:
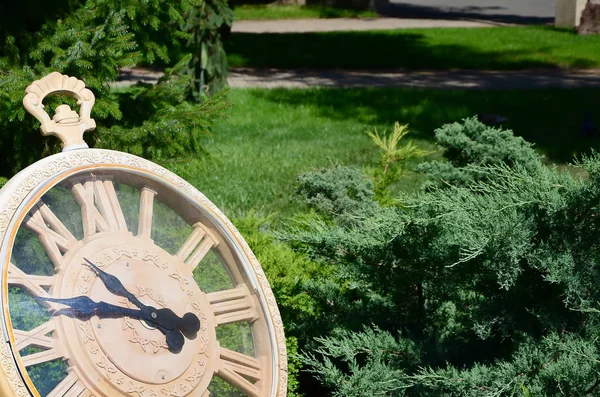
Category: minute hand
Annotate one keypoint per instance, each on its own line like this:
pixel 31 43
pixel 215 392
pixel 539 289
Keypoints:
pixel 114 285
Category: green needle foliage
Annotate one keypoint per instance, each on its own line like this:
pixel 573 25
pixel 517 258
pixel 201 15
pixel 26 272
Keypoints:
pixel 472 143
pixel 392 161
pixel 486 287
pixel 161 125
pixel 92 40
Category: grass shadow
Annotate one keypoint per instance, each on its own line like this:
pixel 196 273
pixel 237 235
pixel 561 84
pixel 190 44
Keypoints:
pixel 512 48
pixel 549 118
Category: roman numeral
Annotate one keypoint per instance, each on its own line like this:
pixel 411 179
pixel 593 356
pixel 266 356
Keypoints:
pixel 37 338
pixel 240 371
pixel 232 305
pixel 100 207
pixel 71 386
pixel 53 235
pixel 42 357
pixel 33 284
pixel 146 208
pixel 196 246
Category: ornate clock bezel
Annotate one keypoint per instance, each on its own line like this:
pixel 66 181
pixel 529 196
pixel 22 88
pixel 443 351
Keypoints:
pixel 23 190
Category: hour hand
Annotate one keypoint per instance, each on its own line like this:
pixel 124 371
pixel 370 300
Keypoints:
pixel 114 285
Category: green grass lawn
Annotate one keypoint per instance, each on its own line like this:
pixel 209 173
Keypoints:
pixel 272 135
pixel 292 11
pixel 505 48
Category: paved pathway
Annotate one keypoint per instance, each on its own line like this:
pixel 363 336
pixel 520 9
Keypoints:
pixel 346 24
pixel 470 80
pixel 301 78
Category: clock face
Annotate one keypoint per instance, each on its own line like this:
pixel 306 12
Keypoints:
pixel 120 285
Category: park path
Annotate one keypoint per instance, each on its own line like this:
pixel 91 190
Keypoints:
pixel 350 24
pixel 460 79
pixel 452 79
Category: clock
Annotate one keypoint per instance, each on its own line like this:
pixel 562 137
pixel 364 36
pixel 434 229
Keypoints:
pixel 121 279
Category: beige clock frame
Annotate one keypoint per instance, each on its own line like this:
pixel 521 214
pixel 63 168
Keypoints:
pixel 23 190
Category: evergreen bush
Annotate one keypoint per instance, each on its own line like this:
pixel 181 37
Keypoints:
pixel 485 287
pixel 471 143
pixel 92 40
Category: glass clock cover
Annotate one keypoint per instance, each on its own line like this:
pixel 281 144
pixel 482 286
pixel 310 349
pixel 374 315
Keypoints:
pixel 120 282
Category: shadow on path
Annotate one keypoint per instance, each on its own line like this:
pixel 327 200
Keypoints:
pixel 457 79
pixel 485 13
pixel 452 79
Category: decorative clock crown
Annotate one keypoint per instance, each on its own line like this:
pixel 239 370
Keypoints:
pixel 66 124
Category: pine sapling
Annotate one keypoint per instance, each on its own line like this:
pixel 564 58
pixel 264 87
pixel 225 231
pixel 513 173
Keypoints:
pixel 392 160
